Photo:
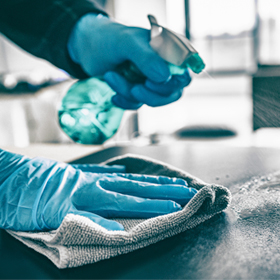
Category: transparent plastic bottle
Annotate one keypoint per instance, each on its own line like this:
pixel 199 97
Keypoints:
pixel 87 114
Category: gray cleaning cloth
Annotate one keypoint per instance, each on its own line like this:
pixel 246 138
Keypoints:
pixel 79 241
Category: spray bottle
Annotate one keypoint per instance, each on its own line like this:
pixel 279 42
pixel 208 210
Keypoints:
pixel 87 114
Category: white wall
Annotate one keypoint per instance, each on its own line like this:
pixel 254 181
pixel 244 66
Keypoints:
pixel 13 59
pixel 25 120
pixel 23 117
pixel 169 13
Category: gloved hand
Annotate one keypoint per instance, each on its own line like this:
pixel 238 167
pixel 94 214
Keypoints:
pixel 36 194
pixel 99 45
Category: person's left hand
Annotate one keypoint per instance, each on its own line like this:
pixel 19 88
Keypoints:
pixel 99 45
pixel 37 194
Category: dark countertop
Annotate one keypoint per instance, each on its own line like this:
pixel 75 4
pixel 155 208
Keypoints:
pixel 241 243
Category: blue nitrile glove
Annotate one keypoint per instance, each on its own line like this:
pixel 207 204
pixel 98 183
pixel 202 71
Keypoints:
pixel 99 45
pixel 36 194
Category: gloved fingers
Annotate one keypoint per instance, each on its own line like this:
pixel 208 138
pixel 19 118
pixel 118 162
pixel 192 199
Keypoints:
pixel 122 87
pixel 131 96
pixel 160 180
pixel 153 99
pixel 152 187
pixel 115 205
pixel 176 83
pixel 152 66
pixel 98 168
pixel 124 103
pixel 108 224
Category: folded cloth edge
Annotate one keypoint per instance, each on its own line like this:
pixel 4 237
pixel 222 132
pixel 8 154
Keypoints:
pixel 136 234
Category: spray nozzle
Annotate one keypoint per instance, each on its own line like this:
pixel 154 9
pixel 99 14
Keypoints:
pixel 174 48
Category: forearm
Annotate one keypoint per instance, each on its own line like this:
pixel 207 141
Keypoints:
pixel 22 185
pixel 9 163
pixel 42 27
pixel 11 188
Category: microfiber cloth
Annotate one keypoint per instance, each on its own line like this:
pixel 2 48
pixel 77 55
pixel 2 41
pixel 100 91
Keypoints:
pixel 79 241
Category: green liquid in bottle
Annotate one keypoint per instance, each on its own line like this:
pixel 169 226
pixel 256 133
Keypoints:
pixel 87 114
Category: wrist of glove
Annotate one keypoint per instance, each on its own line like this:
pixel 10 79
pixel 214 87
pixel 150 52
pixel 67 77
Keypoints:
pixel 38 193
pixel 99 45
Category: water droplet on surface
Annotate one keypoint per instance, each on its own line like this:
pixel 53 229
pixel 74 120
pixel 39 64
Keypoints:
pixel 242 190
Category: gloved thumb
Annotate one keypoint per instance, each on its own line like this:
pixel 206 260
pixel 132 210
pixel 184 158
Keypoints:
pixel 153 67
pixel 145 58
pixel 107 224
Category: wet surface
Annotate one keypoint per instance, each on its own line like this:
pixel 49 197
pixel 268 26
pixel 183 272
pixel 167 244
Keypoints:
pixel 258 198
pixel 240 243
pixel 250 237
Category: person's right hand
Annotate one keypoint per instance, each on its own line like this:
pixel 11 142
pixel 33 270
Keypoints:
pixel 99 45
pixel 36 194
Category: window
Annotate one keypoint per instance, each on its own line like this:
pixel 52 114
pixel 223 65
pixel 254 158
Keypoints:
pixel 224 33
pixel 269 32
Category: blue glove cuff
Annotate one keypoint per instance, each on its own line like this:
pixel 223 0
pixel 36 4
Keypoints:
pixel 39 196
pixel 72 41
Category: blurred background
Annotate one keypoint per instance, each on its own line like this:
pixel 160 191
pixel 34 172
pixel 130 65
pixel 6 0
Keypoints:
pixel 236 101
